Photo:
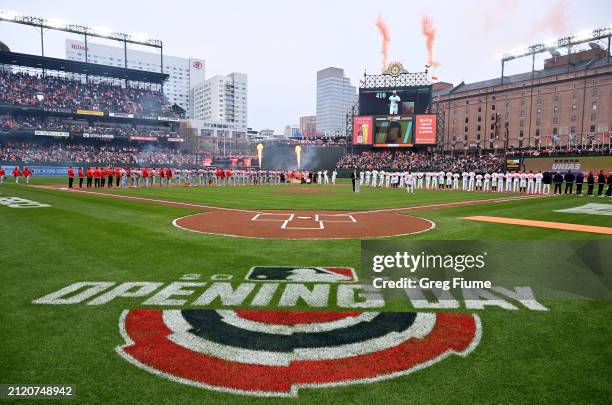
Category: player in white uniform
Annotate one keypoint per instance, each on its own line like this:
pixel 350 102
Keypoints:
pixel 494 181
pixel 509 180
pixel 471 178
pixel 441 175
pixel 326 177
pixel 374 177
pixel 387 179
pixel 487 182
pixel 523 183
pixel 479 182
pixel 419 180
pixel 394 100
pixel 409 183
pixel 516 180
pixel 530 182
pixel 434 181
pixel 538 183
pixel 449 180
pixel 455 181
pixel 500 182
pixel 368 175
pixel 381 175
pixel 464 181
pixel 334 175
pixel 361 177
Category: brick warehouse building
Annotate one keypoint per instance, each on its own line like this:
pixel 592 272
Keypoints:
pixel 563 104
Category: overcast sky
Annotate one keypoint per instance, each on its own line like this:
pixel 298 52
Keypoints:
pixel 281 44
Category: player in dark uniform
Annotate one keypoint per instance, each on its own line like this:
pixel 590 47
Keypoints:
pixel 601 180
pixel 579 181
pixel 557 180
pixel 590 183
pixel 569 182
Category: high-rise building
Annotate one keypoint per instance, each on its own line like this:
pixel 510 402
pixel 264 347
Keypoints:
pixel 335 96
pixel 221 99
pixel 308 124
pixel 184 72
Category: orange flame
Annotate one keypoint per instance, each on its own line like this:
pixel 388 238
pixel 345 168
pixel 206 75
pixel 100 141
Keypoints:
pixel 429 31
pixel 383 28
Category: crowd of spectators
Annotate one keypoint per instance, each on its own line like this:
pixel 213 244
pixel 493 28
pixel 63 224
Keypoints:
pixel 407 160
pixel 64 93
pixel 587 150
pixel 25 153
pixel 75 127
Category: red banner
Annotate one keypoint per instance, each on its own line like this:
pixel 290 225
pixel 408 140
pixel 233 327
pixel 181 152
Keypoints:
pixel 425 129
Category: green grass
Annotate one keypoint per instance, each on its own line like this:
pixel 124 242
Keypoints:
pixel 563 355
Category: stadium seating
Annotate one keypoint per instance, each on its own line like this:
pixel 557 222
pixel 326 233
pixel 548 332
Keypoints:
pixel 53 92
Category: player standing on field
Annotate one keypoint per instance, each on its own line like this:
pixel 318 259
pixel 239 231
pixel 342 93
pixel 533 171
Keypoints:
pixel 70 177
pixel 16 173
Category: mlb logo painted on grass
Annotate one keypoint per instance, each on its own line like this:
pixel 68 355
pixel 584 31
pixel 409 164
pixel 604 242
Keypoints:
pixel 276 353
pixel 293 274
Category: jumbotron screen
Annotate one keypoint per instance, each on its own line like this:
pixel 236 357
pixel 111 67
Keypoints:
pixel 394 130
pixel 412 100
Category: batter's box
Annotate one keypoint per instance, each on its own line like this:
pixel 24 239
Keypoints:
pixel 336 218
pixel 272 217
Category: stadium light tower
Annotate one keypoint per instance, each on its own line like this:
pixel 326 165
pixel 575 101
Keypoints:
pixel 43 23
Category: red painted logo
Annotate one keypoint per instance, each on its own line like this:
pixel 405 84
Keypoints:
pixel 197 65
pixel 275 353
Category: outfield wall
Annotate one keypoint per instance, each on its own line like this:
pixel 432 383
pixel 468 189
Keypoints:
pixel 566 163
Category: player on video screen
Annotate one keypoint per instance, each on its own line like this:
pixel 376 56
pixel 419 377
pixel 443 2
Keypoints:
pixel 394 100
pixel 395 133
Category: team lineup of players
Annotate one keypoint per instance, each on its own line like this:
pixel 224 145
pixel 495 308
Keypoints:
pixel 510 182
pixel 98 177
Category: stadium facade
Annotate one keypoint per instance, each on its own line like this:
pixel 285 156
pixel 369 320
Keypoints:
pixel 567 103
pixel 335 97
pixel 184 73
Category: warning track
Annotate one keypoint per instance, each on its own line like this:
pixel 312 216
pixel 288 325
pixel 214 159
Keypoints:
pixel 301 224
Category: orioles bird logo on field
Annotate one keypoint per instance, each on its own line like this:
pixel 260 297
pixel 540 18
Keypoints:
pixel 277 352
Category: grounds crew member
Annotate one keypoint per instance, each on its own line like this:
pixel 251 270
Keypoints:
pixel 591 183
pixel 609 190
pixel 80 173
pixel 558 180
pixel 70 176
pixel 569 182
pixel 601 180
pixel 579 181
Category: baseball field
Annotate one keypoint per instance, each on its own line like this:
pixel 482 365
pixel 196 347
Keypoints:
pixel 128 248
